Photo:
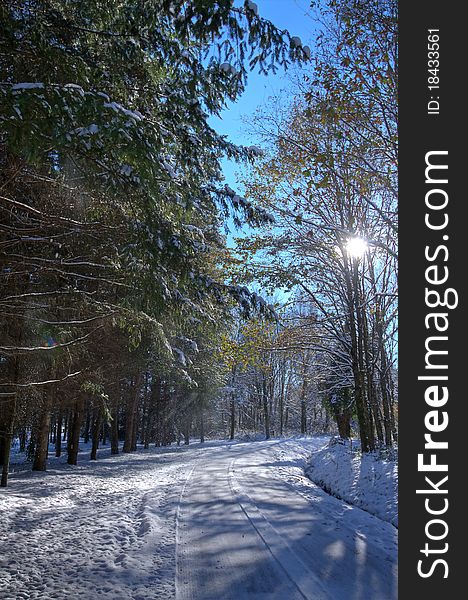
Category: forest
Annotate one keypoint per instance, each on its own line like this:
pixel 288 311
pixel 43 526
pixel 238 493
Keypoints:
pixel 126 314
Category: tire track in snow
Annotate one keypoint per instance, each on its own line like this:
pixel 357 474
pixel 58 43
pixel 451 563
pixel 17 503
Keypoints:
pixel 307 583
pixel 352 552
pixel 177 535
pixel 220 553
pixel 247 533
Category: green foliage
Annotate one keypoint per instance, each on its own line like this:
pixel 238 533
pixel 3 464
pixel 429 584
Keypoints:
pixel 124 90
pixel 104 119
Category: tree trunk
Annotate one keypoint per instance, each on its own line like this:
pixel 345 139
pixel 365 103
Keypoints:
pixel 114 428
pixel 232 405
pixel 32 443
pixel 103 433
pixel 74 429
pixel 135 431
pixel 186 430
pixel 95 431
pixel 386 398
pixel 266 412
pixel 53 432
pixel 145 410
pixel 58 435
pixel 148 429
pixel 42 439
pixel 369 368
pixel 384 371
pixel 132 406
pixel 304 405
pixel 281 404
pixel 7 437
pixel 343 421
pixel 156 393
pixel 354 301
pixel 202 426
pixel 65 426
pixel 7 418
pixel 87 425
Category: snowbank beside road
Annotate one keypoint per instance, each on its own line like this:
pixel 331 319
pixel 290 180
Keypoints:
pixel 367 481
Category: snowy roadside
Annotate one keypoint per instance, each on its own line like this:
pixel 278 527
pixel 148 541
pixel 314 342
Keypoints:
pixel 366 481
pixel 101 529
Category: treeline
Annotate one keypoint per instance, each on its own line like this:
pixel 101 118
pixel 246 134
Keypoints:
pixel 257 382
pixel 141 411
pixel 272 381
pixel 111 204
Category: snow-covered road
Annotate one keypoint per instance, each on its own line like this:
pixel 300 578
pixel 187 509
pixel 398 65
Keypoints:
pixel 251 527
pixel 235 521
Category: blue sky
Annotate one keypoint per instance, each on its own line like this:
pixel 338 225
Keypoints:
pixel 285 14
pixel 294 16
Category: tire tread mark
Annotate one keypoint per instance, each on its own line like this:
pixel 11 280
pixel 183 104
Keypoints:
pixel 307 583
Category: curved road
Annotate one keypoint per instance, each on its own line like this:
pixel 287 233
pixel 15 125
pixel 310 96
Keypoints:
pixel 251 527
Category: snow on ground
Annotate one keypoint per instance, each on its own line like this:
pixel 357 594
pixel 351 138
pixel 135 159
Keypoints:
pixel 101 529
pixel 219 521
pixel 368 481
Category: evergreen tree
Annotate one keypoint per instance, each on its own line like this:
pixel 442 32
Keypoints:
pixel 112 191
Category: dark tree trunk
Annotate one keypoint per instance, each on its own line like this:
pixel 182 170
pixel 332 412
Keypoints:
pixel 232 404
pixel 75 420
pixel 156 393
pixel 149 420
pixel 135 432
pixel 42 439
pixel 202 426
pixel 304 405
pixel 2 450
pixel 58 435
pixel 104 432
pixel 95 431
pixel 266 411
pixel 233 417
pixel 303 417
pixel 53 431
pixel 384 373
pixel 386 399
pixel 65 426
pixel 369 369
pixel 132 406
pixel 281 404
pixel 114 428
pixel 186 431
pixel 8 404
pixel 7 420
pixel 343 421
pixel 357 352
pixel 87 425
pixel 145 410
